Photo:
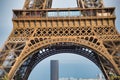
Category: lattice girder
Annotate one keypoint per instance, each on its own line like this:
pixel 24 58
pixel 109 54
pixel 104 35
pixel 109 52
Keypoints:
pixel 8 56
pixel 37 4
pixel 90 3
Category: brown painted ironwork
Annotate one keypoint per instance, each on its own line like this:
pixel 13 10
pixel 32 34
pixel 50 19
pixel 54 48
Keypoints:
pixel 41 31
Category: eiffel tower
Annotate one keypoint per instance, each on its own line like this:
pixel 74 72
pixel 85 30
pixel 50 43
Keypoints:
pixel 40 31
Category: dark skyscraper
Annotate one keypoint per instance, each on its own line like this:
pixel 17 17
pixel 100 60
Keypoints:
pixel 54 70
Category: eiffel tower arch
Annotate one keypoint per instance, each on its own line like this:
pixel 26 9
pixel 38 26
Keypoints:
pixel 40 31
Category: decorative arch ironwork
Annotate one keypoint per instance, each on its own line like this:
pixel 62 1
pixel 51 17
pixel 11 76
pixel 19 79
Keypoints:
pixel 99 51
pixel 57 48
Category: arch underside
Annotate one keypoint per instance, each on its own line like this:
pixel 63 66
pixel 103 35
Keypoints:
pixel 63 47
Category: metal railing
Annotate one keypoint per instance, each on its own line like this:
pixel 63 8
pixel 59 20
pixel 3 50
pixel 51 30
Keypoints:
pixel 63 13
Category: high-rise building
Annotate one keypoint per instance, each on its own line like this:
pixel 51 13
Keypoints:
pixel 54 70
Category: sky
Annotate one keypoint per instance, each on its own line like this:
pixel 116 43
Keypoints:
pixel 6 26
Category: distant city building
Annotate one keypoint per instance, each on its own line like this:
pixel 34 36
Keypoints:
pixel 79 79
pixel 100 77
pixel 54 70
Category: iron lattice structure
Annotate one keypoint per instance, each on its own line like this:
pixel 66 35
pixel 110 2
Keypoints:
pixel 41 31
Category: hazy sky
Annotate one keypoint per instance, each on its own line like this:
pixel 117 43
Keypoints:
pixel 42 70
